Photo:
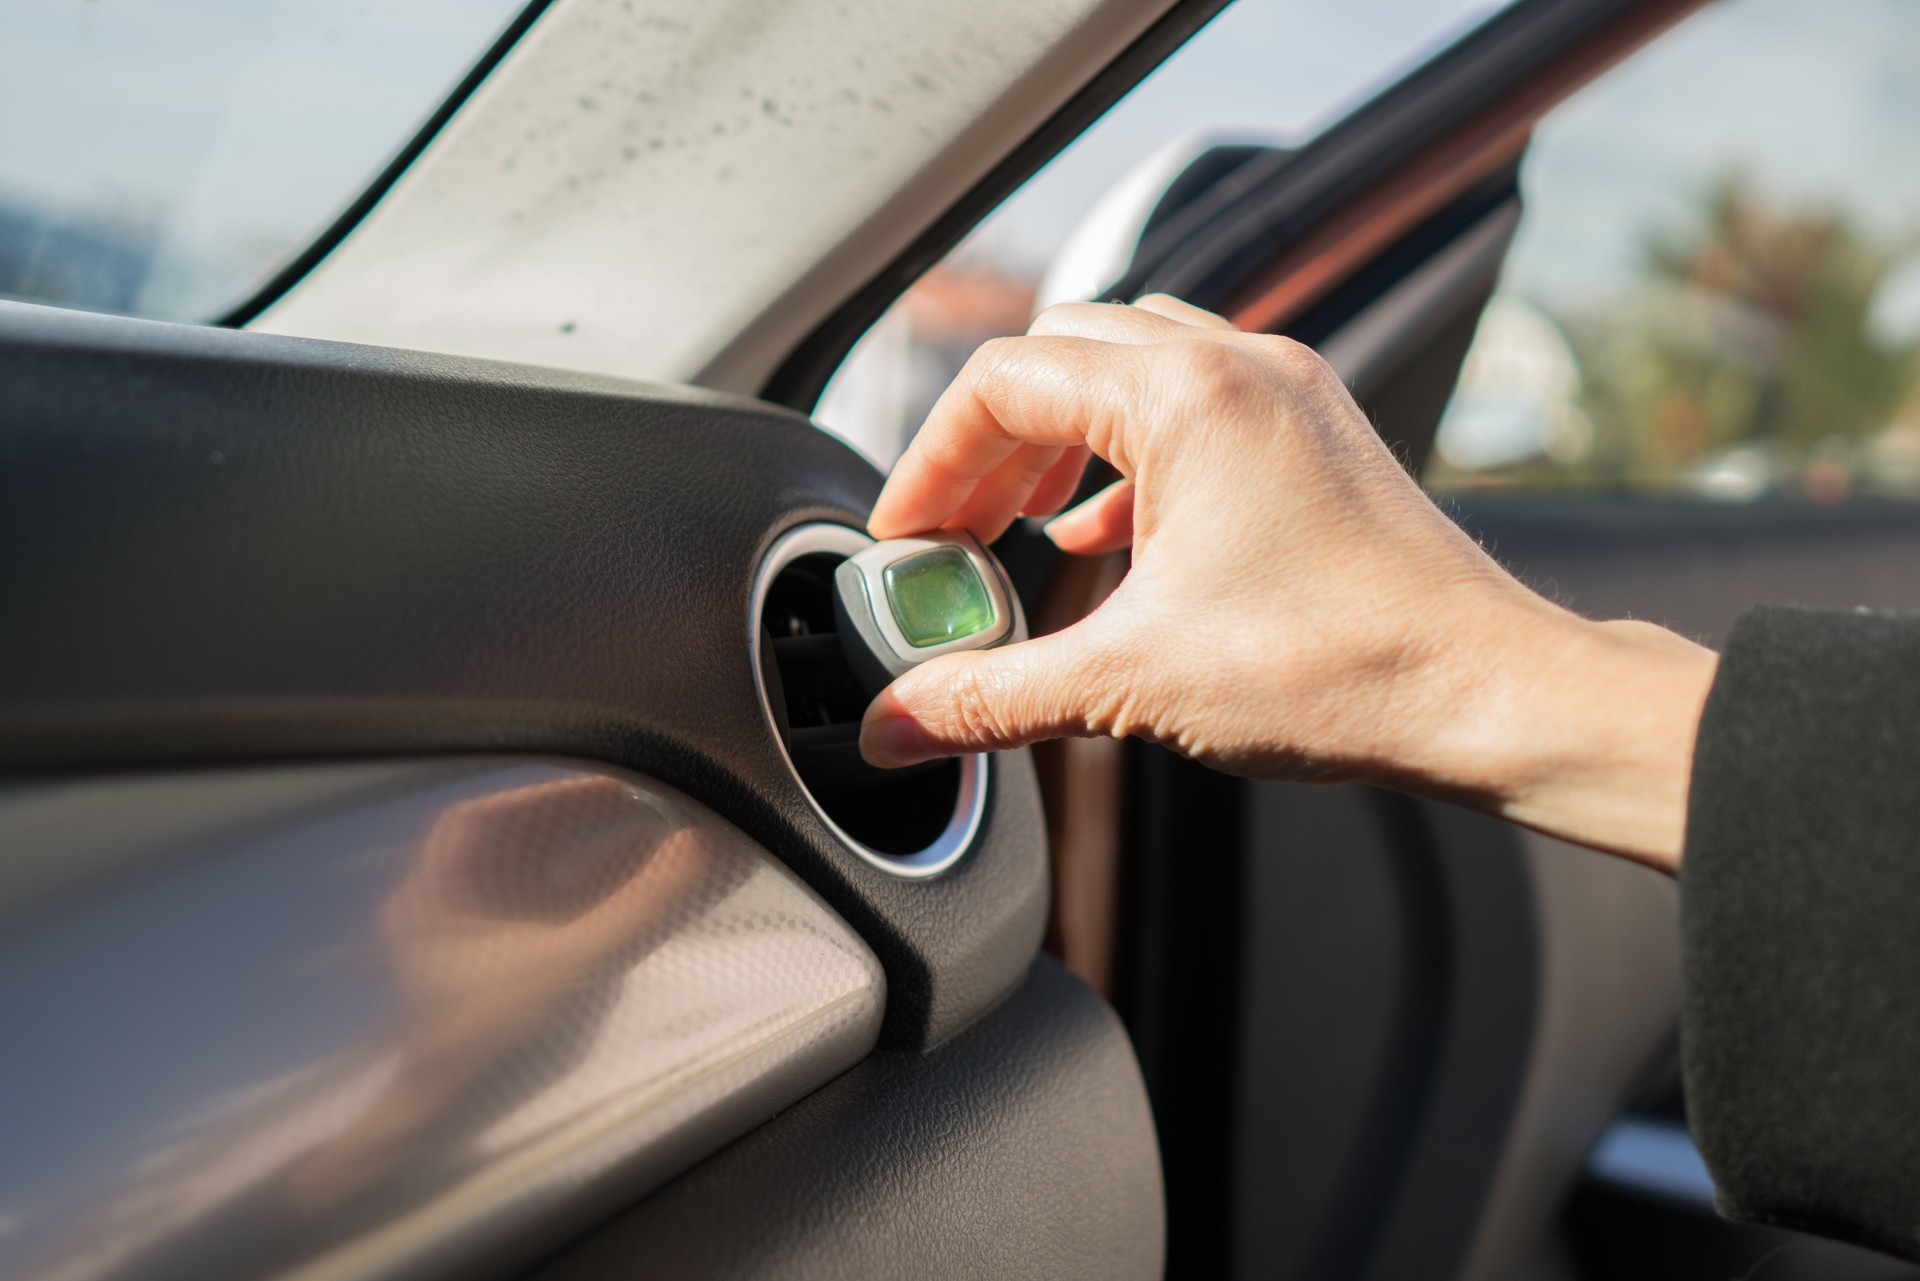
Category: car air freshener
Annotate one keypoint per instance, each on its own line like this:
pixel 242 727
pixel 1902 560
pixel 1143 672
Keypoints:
pixel 905 600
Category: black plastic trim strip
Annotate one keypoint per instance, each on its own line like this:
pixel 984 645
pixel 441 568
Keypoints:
pixel 350 217
pixel 1275 200
pixel 1182 986
pixel 803 375
pixel 1409 1070
pixel 1021 1148
pixel 1428 239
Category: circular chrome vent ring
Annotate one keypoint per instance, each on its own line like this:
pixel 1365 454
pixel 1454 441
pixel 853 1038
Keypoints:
pixel 970 804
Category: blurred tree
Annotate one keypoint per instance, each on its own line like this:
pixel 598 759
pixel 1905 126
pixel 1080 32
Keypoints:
pixel 1747 326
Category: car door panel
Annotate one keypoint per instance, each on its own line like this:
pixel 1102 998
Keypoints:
pixel 390 1020
pixel 263 597
pixel 917 1165
pixel 1609 933
pixel 227 545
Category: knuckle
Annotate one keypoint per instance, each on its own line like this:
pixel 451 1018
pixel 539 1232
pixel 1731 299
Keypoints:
pixel 1104 690
pixel 1295 358
pixel 1031 467
pixel 1217 368
pixel 995 357
pixel 1063 318
pixel 1105 706
pixel 977 711
pixel 997 368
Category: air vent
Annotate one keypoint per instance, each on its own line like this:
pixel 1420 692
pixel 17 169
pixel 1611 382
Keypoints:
pixel 912 822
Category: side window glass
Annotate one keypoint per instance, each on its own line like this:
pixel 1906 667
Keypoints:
pixel 164 160
pixel 1715 289
pixel 1269 72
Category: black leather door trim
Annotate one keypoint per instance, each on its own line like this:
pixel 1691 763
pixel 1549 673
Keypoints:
pixel 225 546
pixel 1023 1148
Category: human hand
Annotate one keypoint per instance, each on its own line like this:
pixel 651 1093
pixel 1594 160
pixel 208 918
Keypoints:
pixel 1297 608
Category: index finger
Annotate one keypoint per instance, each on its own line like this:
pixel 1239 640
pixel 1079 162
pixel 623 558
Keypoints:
pixel 1039 390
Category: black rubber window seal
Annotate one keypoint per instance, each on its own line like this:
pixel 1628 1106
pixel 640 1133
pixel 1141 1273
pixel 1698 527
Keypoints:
pixel 327 241
pixel 1277 199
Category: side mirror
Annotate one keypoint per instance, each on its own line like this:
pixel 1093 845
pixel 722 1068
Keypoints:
pixel 1893 316
pixel 1518 394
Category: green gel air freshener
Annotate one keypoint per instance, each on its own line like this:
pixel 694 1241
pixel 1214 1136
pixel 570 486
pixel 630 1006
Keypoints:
pixel 937 596
pixel 903 601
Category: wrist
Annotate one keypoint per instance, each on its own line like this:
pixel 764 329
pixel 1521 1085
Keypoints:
pixel 1583 730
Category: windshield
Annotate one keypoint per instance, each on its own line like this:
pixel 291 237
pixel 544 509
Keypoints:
pixel 165 157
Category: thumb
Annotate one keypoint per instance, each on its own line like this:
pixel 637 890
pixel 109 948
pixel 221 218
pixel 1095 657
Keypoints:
pixel 982 701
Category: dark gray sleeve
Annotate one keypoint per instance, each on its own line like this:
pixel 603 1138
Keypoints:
pixel 1800 899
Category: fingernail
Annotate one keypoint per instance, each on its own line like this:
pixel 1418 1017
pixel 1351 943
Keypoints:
pixel 893 741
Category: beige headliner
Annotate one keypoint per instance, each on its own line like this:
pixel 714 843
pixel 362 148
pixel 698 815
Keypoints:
pixel 682 190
